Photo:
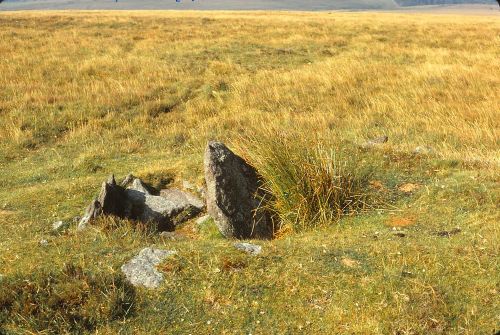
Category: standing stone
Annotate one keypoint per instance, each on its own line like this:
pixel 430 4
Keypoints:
pixel 234 196
pixel 112 198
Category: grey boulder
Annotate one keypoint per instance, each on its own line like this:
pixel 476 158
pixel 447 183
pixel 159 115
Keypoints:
pixel 234 195
pixel 141 270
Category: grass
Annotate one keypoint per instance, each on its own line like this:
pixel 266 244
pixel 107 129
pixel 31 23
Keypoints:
pixel 86 94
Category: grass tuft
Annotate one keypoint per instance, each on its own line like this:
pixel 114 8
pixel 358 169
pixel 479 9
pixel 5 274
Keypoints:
pixel 68 301
pixel 309 184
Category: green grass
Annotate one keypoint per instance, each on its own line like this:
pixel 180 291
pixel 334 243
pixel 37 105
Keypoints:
pixel 89 94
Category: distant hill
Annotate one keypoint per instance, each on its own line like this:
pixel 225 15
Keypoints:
pixel 300 5
pixel 441 2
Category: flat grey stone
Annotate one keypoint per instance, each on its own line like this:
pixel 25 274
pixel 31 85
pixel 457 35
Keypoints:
pixel 182 199
pixel 59 226
pixel 167 210
pixel 249 248
pixel 141 270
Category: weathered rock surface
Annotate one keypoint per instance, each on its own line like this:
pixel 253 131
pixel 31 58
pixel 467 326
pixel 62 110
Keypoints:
pixel 249 248
pixel 141 270
pixel 137 202
pixel 234 196
pixel 167 210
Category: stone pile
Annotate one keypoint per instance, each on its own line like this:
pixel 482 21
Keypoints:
pixel 234 199
pixel 134 200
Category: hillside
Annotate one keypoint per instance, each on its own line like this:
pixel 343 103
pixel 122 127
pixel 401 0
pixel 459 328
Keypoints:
pixel 441 2
pixel 299 96
pixel 294 5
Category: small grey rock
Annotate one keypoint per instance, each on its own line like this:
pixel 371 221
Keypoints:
pixel 141 270
pixel 59 226
pixel 423 150
pixel 249 248
pixel 111 201
pixel 92 212
pixel 138 185
pixel 44 243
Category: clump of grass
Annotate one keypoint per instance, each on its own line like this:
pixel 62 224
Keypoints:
pixel 69 301
pixel 308 184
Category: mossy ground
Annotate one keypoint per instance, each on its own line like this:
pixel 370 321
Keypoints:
pixel 87 94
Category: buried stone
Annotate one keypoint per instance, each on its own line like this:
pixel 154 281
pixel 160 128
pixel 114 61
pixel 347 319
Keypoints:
pixel 234 196
pixel 141 270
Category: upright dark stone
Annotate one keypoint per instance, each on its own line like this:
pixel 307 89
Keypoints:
pixel 112 198
pixel 234 197
pixel 111 201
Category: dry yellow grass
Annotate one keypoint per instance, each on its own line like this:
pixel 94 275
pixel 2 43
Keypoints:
pixel 85 94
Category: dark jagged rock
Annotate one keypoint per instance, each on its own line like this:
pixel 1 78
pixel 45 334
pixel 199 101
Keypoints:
pixel 112 198
pixel 234 196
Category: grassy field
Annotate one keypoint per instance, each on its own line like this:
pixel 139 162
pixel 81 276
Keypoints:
pixel 87 94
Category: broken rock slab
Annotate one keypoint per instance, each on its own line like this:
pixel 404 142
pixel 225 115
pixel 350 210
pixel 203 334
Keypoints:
pixel 171 208
pixel 233 195
pixel 137 202
pixel 141 270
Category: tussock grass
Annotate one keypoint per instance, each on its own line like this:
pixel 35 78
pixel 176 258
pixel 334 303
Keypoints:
pixel 308 185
